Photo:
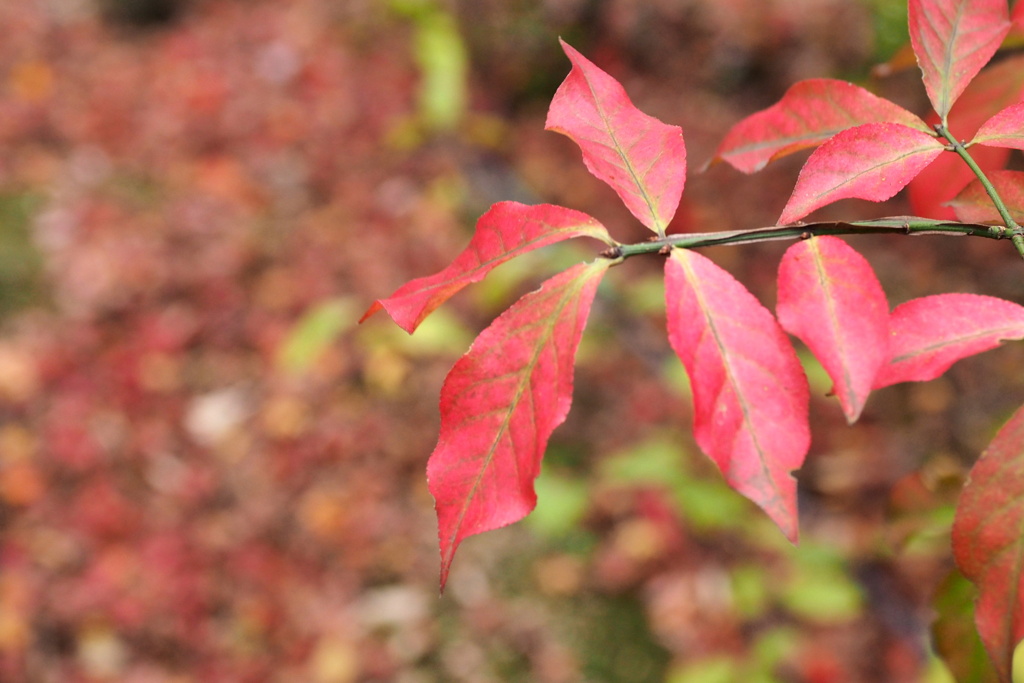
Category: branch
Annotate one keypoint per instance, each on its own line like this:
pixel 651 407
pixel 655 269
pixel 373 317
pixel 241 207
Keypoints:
pixel 899 225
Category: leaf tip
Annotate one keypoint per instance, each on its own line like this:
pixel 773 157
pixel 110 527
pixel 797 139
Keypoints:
pixel 852 410
pixel 376 306
pixel 713 161
pixel 788 520
pixel 570 52
pixel 785 519
pixel 447 546
pixel 445 567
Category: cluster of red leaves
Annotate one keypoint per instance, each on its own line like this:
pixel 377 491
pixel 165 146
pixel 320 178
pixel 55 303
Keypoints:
pixel 502 400
pixel 174 504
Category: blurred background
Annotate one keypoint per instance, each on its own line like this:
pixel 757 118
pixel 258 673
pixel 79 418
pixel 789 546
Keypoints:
pixel 208 472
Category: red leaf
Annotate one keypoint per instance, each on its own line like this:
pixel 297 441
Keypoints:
pixel 873 161
pixel 953 40
pixel 507 230
pixel 973 205
pixel 928 335
pixel 830 298
pixel 499 405
pixel 988 544
pixel 809 113
pixel 643 159
pixel 995 88
pixel 749 392
pixel 934 187
pixel 1005 129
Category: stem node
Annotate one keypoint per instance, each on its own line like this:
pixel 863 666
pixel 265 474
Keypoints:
pixel 990 189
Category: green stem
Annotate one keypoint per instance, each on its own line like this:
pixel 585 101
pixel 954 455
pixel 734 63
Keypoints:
pixel 898 225
pixel 1004 213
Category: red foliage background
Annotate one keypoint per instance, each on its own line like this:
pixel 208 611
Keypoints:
pixel 178 504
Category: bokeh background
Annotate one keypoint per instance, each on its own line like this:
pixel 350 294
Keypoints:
pixel 209 472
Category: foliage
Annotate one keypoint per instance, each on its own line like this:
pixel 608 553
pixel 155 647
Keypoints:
pixel 502 400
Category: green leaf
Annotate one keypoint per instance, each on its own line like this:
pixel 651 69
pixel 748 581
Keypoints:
pixel 562 501
pixel 956 640
pixel 710 670
pixel 819 590
pixel 314 332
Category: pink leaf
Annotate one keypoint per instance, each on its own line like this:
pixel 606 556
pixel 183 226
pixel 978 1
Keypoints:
pixel 507 230
pixel 809 113
pixel 973 205
pixel 988 544
pixel 749 392
pixel 641 158
pixel 873 161
pixel 995 88
pixel 830 298
pixel 1005 129
pixel 499 405
pixel 953 40
pixel 933 188
pixel 928 335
